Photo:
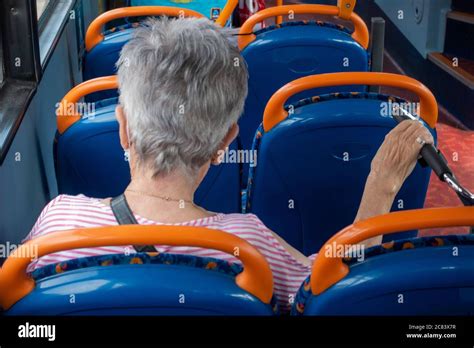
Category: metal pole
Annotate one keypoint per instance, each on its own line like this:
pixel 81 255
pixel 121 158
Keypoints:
pixel 377 46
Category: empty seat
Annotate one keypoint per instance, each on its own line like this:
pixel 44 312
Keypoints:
pixel 103 49
pixel 139 284
pixel 285 52
pixel 90 160
pixel 422 276
pixel 313 163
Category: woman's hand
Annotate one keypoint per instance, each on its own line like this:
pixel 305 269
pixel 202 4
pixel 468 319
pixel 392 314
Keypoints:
pixel 398 154
pixel 393 163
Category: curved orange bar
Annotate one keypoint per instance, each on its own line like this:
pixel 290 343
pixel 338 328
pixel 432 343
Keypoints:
pixel 327 271
pixel 256 277
pixel 346 7
pixel 279 19
pixel 227 12
pixel 275 113
pixel 246 35
pixel 94 34
pixel 66 114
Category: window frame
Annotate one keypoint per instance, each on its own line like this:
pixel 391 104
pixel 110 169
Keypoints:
pixel 20 84
pixel 2 72
pixel 46 15
pixel 21 64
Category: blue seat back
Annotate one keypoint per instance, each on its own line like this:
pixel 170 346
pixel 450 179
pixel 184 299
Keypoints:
pixel 281 54
pixel 411 277
pixel 312 168
pixel 140 284
pixel 91 161
pixel 101 60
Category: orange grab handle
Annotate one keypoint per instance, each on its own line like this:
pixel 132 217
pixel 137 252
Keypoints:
pixel 246 35
pixel 328 270
pixel 94 34
pixel 279 19
pixel 275 113
pixel 66 114
pixel 346 7
pixel 256 277
pixel 227 12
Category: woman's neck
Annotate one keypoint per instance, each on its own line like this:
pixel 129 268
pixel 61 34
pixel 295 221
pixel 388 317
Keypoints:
pixel 176 186
pixel 166 199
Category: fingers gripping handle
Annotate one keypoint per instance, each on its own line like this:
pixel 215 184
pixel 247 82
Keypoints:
pixel 430 155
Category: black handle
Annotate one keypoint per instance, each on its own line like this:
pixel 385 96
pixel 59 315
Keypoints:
pixel 431 156
pixel 435 159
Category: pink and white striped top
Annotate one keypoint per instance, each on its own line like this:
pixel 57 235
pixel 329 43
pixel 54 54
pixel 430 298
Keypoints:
pixel 72 212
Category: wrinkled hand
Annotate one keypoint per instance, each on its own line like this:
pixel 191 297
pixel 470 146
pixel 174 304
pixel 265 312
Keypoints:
pixel 398 154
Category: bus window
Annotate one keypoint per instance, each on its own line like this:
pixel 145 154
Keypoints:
pixel 1 59
pixel 41 7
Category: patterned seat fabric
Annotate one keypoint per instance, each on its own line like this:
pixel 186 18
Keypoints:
pixel 304 292
pixel 305 22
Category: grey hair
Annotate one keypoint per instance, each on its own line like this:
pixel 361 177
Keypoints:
pixel 182 86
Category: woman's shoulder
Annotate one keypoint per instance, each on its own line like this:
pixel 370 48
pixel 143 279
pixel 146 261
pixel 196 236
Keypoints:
pixel 246 225
pixel 71 212
pixel 240 219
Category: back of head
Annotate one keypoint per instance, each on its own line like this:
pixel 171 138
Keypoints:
pixel 182 86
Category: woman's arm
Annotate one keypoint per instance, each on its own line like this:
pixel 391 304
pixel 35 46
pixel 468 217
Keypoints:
pixel 393 163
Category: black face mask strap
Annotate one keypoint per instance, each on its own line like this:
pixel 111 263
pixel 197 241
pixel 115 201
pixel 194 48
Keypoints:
pixel 124 216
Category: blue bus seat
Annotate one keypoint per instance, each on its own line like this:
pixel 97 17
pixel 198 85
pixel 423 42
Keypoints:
pixel 419 276
pixel 103 49
pixel 440 284
pixel 281 54
pixel 312 168
pixel 287 51
pixel 91 161
pixel 101 60
pixel 147 283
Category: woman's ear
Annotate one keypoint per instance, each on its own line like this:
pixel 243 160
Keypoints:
pixel 230 136
pixel 225 143
pixel 122 120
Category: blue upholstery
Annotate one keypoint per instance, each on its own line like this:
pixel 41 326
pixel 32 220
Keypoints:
pixel 440 284
pixel 100 61
pixel 279 54
pixel 312 168
pixel 140 284
pixel 90 160
pixel 283 53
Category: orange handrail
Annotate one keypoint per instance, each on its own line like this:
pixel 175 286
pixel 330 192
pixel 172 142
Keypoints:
pixel 246 35
pixel 227 12
pixel 94 33
pixel 346 7
pixel 279 19
pixel 329 269
pixel 66 114
pixel 275 113
pixel 256 278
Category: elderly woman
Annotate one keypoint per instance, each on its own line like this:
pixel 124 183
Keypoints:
pixel 182 90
